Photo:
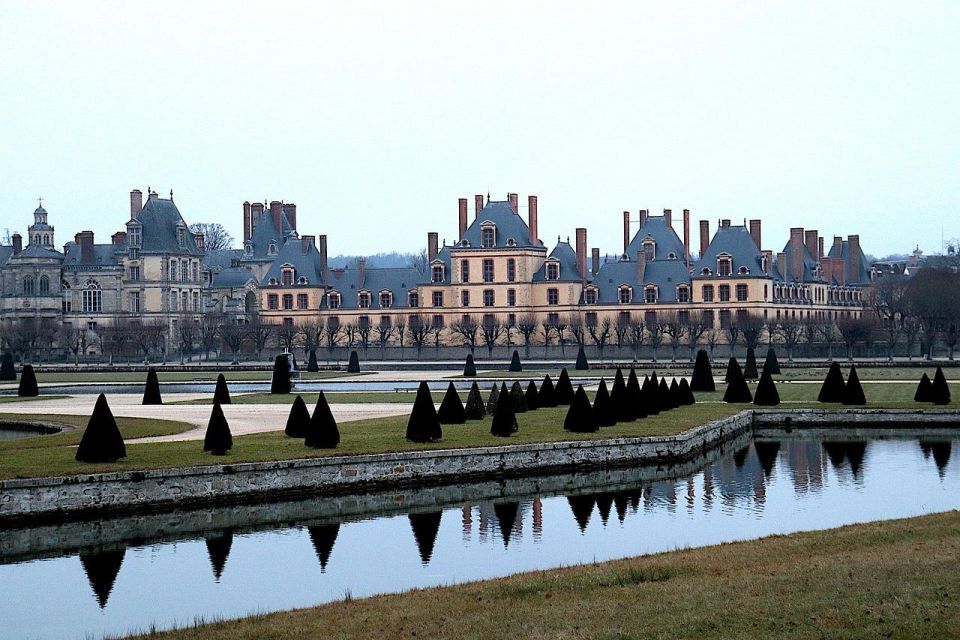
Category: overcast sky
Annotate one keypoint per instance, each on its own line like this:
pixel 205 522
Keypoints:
pixel 375 117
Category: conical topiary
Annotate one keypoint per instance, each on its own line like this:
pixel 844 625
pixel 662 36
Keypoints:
pixel 469 368
pixel 546 395
pixel 940 388
pixel 423 425
pixel 620 400
pixel 298 421
pixel 353 366
pixel 475 409
pixel 639 405
pixel 312 365
pixel 28 383
pixel 564 391
pixel 737 389
pixel 833 386
pixel 767 394
pixel 771 363
pixel 582 364
pixel 603 407
pixel 218 439
pixel 101 441
pixel 702 378
pixel 730 363
pixel 663 395
pixel 853 391
pixel 322 432
pixel 686 393
pixel 504 417
pixel 519 399
pixel 280 382
pixel 750 368
pixel 515 366
pixel 532 396
pixel 650 390
pixel 8 371
pixel 674 393
pixel 492 399
pixel 221 394
pixel 451 409
pixel 151 392
pixel 580 416
pixel 924 391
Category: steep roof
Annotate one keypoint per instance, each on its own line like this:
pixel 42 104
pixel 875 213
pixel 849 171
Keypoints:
pixel 232 278
pixel 104 256
pixel 567 257
pixel 159 219
pixel 221 258
pixel 37 251
pixel 853 276
pixel 736 242
pixel 5 252
pixel 443 256
pixel 398 280
pixel 809 264
pixel 509 225
pixel 266 232
pixel 665 274
pixel 306 264
pixel 666 239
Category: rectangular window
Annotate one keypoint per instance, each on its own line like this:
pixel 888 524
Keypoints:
pixel 511 297
pixel 436 273
pixel 413 299
pixel 135 273
pixel 333 300
pixel 363 300
pixel 590 296
pixel 723 267
pixel 742 315
pixel 464 271
pixel 590 318
pixel 741 292
pixel 288 301
pixel 288 322
pixel 724 318
pixel 438 298
pixel 553 271
pixel 650 318
pixel 708 319
pixel 185 271
pixel 134 302
pixel 488 270
pixel 511 270
pixel 385 321
pixel 303 301
pixel 724 292
pixel 196 301
pixel 708 293
pixel 625 294
pixel 683 294
pixel 511 319
pixel 488 297
pixel 174 297
pixel 173 269
pixel 363 322
pixel 487 237
pixel 286 277
pixel 650 294
pixel 683 316
pixel 464 298
pixel 196 272
pixel 553 319
pixel 437 321
pixel 273 301
pixel 553 296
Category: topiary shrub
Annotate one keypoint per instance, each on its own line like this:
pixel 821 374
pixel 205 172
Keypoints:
pixel 221 394
pixel 298 421
pixel 603 411
pixel 7 370
pixel 423 425
pixel 767 394
pixel 686 394
pixel 737 389
pixel 492 399
pixel 475 408
pixel 151 391
pixel 853 391
pixel 674 394
pixel 218 439
pixel 322 432
pixel 280 382
pixel 515 366
pixel 532 396
pixel 663 395
pixel 771 363
pixel 637 400
pixel 619 399
pixel 924 391
pixel 564 391
pixel 580 418
pixel 582 364
pixel 504 422
pixel 651 393
pixel 750 368
pixel 312 366
pixel 451 409
pixel 101 441
pixel 469 368
pixel 547 396
pixel 28 383
pixel 833 386
pixel 702 378
pixel 730 363
pixel 941 390
pixel 353 366
pixel 519 399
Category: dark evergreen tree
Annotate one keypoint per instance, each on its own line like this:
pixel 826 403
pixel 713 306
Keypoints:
pixel 620 399
pixel 546 395
pixel 353 366
pixel 924 391
pixel 423 425
pixel 855 453
pixel 451 409
pixel 686 394
pixel 580 418
pixel 737 389
pixel 582 364
pixel 151 392
pixel 515 366
pixel 767 394
pixel 469 368
pixel 771 363
pixel 651 391
pixel 663 395
pixel 280 383
pixel 425 527
pixel 298 421
pixel 504 422
pixel 218 549
pixel 833 386
pixel 312 366
pixel 475 408
pixel 750 369
pixel 101 441
pixel 218 439
pixel 221 394
pixel 853 391
pixel 603 410
pixel 730 364
pixel 941 454
pixel 322 432
pixel 102 568
pixel 28 383
pixel 492 399
pixel 940 388
pixel 637 404
pixel 564 391
pixel 8 371
pixel 323 537
pixel 519 399
pixel 675 400
pixel 702 378
pixel 532 396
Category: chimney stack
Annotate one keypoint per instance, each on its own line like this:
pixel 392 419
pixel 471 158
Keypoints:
pixel 641 267
pixel 725 223
pixel 668 217
pixel 837 250
pixel 582 252
pixel 152 195
pixel 514 200
pixel 755 234
pixel 361 272
pixel 256 212
pixel 136 203
pixel 306 243
pixel 118 238
pixel 595 259
pixel 782 265
pixel 462 217
pixel 200 239
pixel 853 257
pixel 17 243
pixel 686 237
pixel 767 260
pixel 433 242
pixel 643 219
pixel 290 211
pixel 532 219
pixel 626 230
pixel 247 221
pixel 704 237
pixel 324 271
pixel 810 240
pixel 820 248
pixel 477 204
pixel 796 254
pixel 85 240
pixel 276 207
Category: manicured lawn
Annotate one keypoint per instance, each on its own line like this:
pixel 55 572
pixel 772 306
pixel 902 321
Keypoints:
pixel 7 399
pixel 897 579
pixel 175 376
pixel 311 398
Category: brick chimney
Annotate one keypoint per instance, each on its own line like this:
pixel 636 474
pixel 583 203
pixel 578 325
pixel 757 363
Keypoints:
pixel 796 254
pixel 433 241
pixel 276 208
pixel 782 265
pixel 201 241
pixel 767 255
pixel 641 266
pixel 290 211
pixel 85 240
pixel 581 236
pixel 626 230
pixel 853 257
pixel 256 212
pixel 820 248
pixel 837 250
pixel 668 217
pixel 462 218
pixel 152 195
pixel 17 243
pixel 136 203
pixel 595 261
pixel 514 201
pixel 704 237
pixel 755 234
pixel 118 238
pixel 477 205
pixel 643 219
pixel 306 243
pixel 532 219
pixel 322 248
pixel 247 221
pixel 725 223
pixel 686 237
pixel 810 240
pixel 361 272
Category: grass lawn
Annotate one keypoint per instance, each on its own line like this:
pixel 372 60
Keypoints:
pixel 897 578
pixel 176 376
pixel 7 399
pixel 311 398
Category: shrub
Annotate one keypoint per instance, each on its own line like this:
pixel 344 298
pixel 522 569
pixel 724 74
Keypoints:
pixel 732 361
pixel 767 394
pixel 151 392
pixel 469 368
pixel 771 363
pixel 532 396
pixel 651 393
pixel 674 394
pixel 280 382
pixel 451 409
pixel 221 394
pixel 564 391
pixel 663 396
pixel 515 366
pixel 322 433
pixel 924 391
pixel 582 364
pixel 218 439
pixel 298 420
pixel 423 425
pixel 28 383
pixel 7 370
pixel 492 399
pixel 519 400
pixel 353 366
pixel 750 368
pixel 101 441
pixel 941 391
pixel 853 391
pixel 702 378
pixel 686 393
pixel 620 400
pixel 737 389
pixel 603 410
pixel 475 409
pixel 547 396
pixel 312 366
pixel 580 417
pixel 833 386
pixel 639 401
pixel 504 417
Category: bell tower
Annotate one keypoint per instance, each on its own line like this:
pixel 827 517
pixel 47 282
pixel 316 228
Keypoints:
pixel 40 232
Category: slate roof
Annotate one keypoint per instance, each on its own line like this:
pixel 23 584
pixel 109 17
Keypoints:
pixel 266 232
pixel 159 219
pixel 666 239
pixel 665 274
pixel 304 264
pixel 567 256
pixel 5 252
pixel 104 256
pixel 221 259
pixel 399 280
pixel 809 264
pixel 852 278
pixel 232 278
pixel 443 256
pixel 736 242
pixel 509 225
pixel 38 251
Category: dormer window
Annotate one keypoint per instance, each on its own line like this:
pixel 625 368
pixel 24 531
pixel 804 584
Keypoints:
pixel 363 299
pixel 181 236
pixel 724 265
pixel 386 299
pixel 705 271
pixel 333 300
pixel 436 273
pixel 590 295
pixel 552 270
pixel 649 247
pixel 671 256
pixel 134 235
pixel 624 294
pixel 272 248
pixel 286 275
pixel 683 293
pixel 413 299
pixel 488 235
pixel 743 271
pixel 650 294
pixel 248 249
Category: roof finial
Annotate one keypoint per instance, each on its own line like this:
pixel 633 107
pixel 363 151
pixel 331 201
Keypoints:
pixel 488 196
pixel 40 202
pixel 171 194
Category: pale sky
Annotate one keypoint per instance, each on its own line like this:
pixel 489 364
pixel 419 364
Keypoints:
pixel 374 117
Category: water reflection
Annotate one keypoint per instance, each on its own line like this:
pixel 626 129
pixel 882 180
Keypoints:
pixel 323 538
pixel 940 450
pixel 218 548
pixel 425 527
pixel 102 569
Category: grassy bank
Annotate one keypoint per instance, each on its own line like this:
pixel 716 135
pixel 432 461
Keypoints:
pixel 896 579
pixel 45 377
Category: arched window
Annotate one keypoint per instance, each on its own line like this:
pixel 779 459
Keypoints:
pixel 272 248
pixel 743 271
pixel 302 280
pixel 91 298
pixel 46 239
pixel 705 271
pixel 44 285
pixel 28 286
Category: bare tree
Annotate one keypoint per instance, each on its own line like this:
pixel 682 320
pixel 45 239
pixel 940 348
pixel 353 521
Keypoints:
pixel 733 335
pixel 527 325
pixel 69 340
pixel 790 331
pixel 600 334
pixel 696 326
pixel 215 235
pixel 209 326
pixel 233 335
pixel 333 333
pixel 311 331
pixel 714 337
pixel 419 329
pixel 401 330
pixel 827 332
pixel 47 329
pixel 188 335
pixel 671 325
pixel 382 333
pixel 578 330
pixel 853 331
pixel 621 329
pixel 638 334
pixel 656 332
pixel 350 332
pixel 561 330
pixel 287 334
pixel 259 333
pixel 364 328
pixel 491 330
pixel 467 328
pixel 152 338
pixel 751 329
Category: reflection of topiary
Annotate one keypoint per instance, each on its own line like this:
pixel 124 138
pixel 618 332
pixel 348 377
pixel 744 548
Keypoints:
pixel 924 391
pixel 519 400
pixel 280 383
pixel 702 378
pixel 218 439
pixel 737 389
pixel 833 386
pixel 563 394
pixel 580 418
pixel 221 394
pixel 151 392
pixel 475 409
pixel 771 364
pixel 423 425
pixel 504 417
pixel 469 368
pixel 322 432
pixel 312 366
pixel 451 409
pixel 515 366
pixel 354 365
pixel 532 396
pixel 582 364
pixel 298 420
pixel 767 394
pixel 101 441
pixel 603 407
pixel 686 394
pixel 28 383
pixel 853 391
pixel 7 370
pixel 750 368
pixel 940 388
pixel 546 395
